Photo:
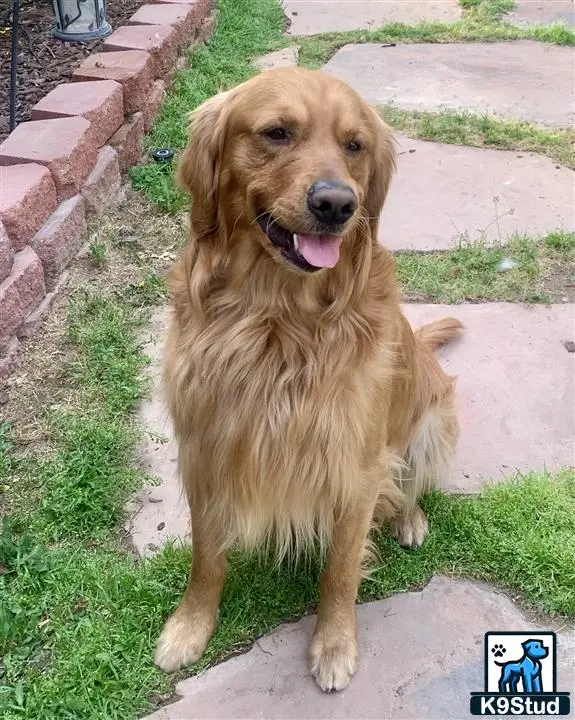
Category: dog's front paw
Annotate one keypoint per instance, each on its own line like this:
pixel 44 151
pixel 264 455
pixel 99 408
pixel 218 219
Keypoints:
pixel 183 641
pixel 410 529
pixel 332 661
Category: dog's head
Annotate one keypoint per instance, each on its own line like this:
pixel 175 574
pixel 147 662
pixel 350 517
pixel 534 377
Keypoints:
pixel 535 649
pixel 294 157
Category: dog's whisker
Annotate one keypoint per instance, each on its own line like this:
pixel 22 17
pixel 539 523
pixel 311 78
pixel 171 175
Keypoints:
pixel 237 221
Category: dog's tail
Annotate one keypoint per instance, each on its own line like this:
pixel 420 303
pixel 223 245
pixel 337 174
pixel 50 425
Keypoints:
pixel 436 333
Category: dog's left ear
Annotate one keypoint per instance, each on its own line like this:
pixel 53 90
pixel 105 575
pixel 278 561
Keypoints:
pixel 383 167
pixel 199 168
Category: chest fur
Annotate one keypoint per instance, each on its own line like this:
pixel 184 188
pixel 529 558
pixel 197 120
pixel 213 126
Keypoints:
pixel 274 399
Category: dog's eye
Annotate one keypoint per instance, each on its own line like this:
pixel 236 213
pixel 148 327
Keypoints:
pixel 277 134
pixel 353 146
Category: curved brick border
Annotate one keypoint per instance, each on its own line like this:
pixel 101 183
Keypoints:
pixel 66 163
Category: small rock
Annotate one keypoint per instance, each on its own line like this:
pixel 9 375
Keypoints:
pixel 161 526
pixel 152 546
pixel 155 500
pixel 569 346
pixel 286 58
pixel 4 397
pixel 507 264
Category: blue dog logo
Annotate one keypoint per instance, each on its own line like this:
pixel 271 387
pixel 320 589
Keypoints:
pixel 527 669
pixel 527 686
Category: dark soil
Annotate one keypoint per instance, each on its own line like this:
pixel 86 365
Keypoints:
pixel 43 61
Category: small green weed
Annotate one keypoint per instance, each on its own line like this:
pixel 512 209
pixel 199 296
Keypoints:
pixel 561 241
pixel 5 447
pixel 149 291
pixel 97 253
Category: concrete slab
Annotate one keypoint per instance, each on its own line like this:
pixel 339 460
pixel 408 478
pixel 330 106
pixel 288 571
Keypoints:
pixel 158 512
pixel 444 193
pixel 309 17
pixel 522 80
pixel 541 12
pixel 516 388
pixel 285 58
pixel 421 655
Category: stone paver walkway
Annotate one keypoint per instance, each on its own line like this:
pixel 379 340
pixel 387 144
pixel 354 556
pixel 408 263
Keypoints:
pixel 444 193
pixel 309 17
pixel 515 388
pixel 514 80
pixel 158 512
pixel 421 652
pixel 536 12
pixel 421 656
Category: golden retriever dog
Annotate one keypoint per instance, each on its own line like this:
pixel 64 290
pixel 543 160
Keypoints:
pixel 303 404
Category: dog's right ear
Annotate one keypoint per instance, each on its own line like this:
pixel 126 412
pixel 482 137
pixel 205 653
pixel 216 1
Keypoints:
pixel 199 168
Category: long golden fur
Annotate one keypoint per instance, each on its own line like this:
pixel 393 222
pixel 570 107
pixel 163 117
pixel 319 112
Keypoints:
pixel 303 404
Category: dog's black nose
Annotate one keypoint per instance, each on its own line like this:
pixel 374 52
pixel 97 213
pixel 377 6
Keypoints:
pixel 332 203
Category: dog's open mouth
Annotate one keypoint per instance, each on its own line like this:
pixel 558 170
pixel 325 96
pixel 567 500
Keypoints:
pixel 305 251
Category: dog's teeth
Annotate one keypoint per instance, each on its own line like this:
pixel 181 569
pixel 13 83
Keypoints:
pixel 295 242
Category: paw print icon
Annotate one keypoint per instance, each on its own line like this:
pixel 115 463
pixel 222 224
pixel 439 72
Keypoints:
pixel 498 651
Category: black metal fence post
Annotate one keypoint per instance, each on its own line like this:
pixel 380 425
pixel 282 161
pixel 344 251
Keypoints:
pixel 14 62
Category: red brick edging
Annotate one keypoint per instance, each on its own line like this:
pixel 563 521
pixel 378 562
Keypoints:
pixel 66 163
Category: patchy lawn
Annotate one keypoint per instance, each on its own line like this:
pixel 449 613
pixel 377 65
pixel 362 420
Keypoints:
pixel 483 131
pixel 529 270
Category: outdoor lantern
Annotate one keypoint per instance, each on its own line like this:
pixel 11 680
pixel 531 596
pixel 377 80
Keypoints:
pixel 80 20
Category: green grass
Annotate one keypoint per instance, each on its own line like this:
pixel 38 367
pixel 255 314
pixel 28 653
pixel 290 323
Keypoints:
pixel 463 128
pixel 491 9
pixel 78 622
pixel 539 270
pixel 481 22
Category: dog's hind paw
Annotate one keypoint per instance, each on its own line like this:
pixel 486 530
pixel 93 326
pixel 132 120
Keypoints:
pixel 332 662
pixel 410 528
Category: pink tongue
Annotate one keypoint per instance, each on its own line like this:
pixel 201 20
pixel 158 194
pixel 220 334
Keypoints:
pixel 319 250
